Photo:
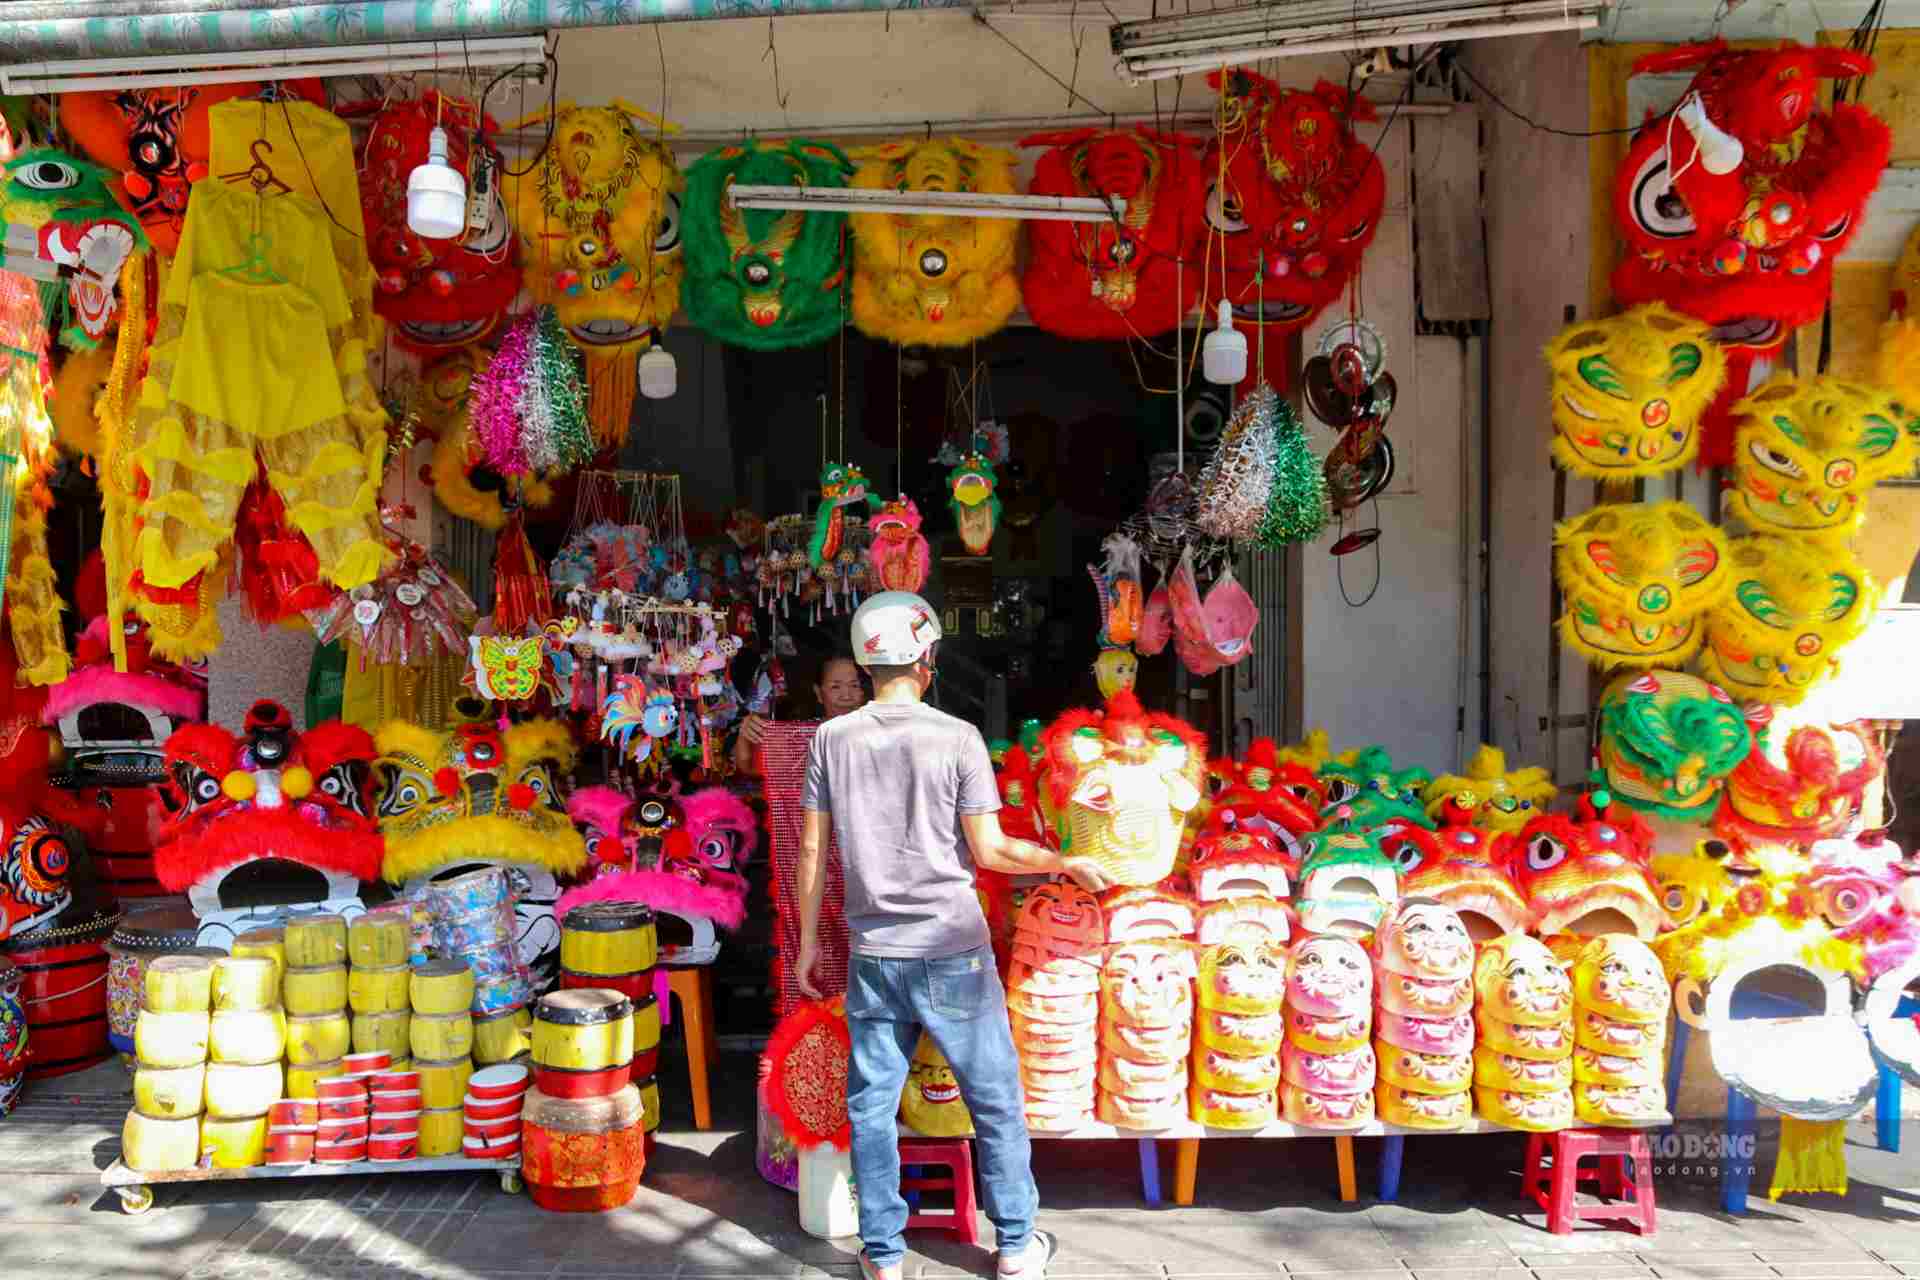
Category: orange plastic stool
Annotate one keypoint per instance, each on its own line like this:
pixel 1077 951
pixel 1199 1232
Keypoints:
pixel 693 984
pixel 1553 1186
pixel 957 1158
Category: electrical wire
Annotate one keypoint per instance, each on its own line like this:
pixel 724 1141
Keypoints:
pixel 1073 94
pixel 1531 123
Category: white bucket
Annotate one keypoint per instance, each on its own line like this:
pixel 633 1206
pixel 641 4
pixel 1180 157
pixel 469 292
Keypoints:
pixel 828 1208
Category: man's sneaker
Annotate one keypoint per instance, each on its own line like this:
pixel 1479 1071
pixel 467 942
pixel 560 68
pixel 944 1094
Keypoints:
pixel 1030 1263
pixel 869 1271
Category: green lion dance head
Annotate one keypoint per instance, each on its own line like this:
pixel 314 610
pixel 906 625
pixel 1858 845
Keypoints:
pixel 1376 795
pixel 77 224
pixel 975 502
pixel 764 278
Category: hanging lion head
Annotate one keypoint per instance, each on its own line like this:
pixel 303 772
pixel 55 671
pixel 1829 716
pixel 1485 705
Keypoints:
pixel 1637 579
pixel 1809 451
pixel 1629 391
pixel 1793 606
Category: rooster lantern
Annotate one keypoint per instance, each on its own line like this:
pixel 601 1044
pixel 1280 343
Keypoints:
pixel 1118 279
pixel 1735 204
pixel 598 220
pixel 1295 198
pixel 437 294
pixel 267 821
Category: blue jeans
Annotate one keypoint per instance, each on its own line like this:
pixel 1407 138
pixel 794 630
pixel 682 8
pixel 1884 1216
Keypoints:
pixel 959 1001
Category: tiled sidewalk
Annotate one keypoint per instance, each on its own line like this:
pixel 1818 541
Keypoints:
pixel 1264 1208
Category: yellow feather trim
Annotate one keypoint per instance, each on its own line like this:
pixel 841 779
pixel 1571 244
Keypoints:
pixel 484 839
pixel 1795 605
pixel 398 738
pixel 535 740
pixel 1637 578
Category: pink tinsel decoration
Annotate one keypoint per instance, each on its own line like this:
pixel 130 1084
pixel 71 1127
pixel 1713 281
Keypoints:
pixel 494 398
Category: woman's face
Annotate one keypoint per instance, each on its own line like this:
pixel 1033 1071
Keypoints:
pixel 840 690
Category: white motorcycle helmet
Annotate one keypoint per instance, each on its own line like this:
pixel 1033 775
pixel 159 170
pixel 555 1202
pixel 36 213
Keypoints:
pixel 894 629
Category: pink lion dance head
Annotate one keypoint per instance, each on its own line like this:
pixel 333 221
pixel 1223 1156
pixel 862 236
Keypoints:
pixel 700 860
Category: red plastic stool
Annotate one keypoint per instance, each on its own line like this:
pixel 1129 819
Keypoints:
pixel 1553 1186
pixel 957 1159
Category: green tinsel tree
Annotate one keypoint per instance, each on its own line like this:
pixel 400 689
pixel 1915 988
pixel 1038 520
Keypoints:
pixel 1297 505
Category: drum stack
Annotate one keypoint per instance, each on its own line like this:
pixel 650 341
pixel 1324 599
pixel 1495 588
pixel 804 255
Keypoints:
pixel 614 946
pixel 247 1037
pixel 162 1130
pixel 64 982
pixel 379 987
pixel 440 993
pixel 584 1122
pixel 142 935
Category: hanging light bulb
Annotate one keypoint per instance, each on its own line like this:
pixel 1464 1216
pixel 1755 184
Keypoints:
pixel 1720 152
pixel 659 375
pixel 1223 355
pixel 436 193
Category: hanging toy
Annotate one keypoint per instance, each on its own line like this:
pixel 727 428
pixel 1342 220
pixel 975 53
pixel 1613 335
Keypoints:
pixel 66 205
pixel 842 485
pixel 899 554
pixel 529 406
pixel 976 505
pixel 1115 670
pixel 1117 582
pixel 623 712
pixel 507 668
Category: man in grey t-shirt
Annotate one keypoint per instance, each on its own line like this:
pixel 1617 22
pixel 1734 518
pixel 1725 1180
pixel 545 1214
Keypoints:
pixel 909 792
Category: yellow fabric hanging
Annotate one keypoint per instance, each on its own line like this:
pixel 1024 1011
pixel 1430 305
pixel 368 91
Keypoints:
pixel 1813 1157
pixel 421 693
pixel 32 598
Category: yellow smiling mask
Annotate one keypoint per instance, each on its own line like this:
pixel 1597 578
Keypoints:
pixel 931 1103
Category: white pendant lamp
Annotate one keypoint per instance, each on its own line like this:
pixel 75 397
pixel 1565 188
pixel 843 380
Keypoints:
pixel 1223 354
pixel 436 193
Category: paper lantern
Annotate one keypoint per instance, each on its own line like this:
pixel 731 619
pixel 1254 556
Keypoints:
pixel 1629 391
pixel 1589 874
pixel 1809 452
pixel 1667 742
pixel 1792 607
pixel 1637 579
pixel 933 279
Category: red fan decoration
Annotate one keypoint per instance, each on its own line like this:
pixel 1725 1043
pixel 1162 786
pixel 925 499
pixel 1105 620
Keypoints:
pixel 806 1082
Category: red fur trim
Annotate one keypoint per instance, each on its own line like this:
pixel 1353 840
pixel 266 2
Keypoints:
pixel 331 743
pixel 205 746
pixel 102 683
pixel 787 1035
pixel 723 899
pixel 601 808
pixel 225 842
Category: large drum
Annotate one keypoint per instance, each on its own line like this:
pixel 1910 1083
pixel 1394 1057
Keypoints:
pixel 145 932
pixel 583 1155
pixel 13 1037
pixel 63 984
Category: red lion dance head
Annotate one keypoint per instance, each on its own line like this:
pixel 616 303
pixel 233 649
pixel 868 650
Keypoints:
pixel 1116 279
pixel 1296 204
pixel 437 294
pixel 1750 250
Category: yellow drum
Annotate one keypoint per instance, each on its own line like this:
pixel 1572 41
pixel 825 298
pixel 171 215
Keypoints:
pixel 583 1030
pixel 438 1036
pixel 248 1037
pixel 321 989
pixel 171 1039
pixel 499 1037
pixel 383 990
pixel 441 1131
pixel 316 942
pixel 442 987
pixel 270 942
pixel 178 984
pixel 236 1092
pixel 382 1033
pixel 153 1145
pixel 239 1143
pixel 169 1093
pixel 314 1038
pixel 300 1080
pixel 608 939
pixel 377 940
pixel 245 984
pixel 444 1084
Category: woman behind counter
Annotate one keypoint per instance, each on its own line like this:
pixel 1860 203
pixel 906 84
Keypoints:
pixel 840 687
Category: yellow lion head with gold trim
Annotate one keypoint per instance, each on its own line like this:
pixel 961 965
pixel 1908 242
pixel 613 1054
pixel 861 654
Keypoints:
pixel 1628 392
pixel 1637 578
pixel 1808 452
pixel 1791 608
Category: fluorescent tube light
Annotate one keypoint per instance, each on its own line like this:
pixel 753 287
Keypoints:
pixel 157 71
pixel 959 204
pixel 1158 48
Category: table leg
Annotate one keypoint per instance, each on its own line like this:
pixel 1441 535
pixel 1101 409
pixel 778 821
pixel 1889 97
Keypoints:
pixel 1886 1110
pixel 1741 1114
pixel 1677 1061
pixel 1186 1168
pixel 1392 1147
pixel 1150 1171
pixel 694 986
pixel 1343 1152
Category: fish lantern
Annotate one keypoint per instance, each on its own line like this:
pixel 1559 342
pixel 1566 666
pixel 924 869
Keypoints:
pixel 1119 785
pixel 476 797
pixel 436 294
pixel 598 223
pixel 1793 607
pixel 267 822
pixel 1620 1000
pixel 1733 211
pixel 931 1104
pixel 766 279
pixel 1124 278
pixel 1294 197
pixel 1588 874
pixel 1523 1035
pixel 1491 796
pixel 1799 782
pixel 1667 742
pixel 933 279
pixel 1637 580
pixel 1629 392
pixel 1810 452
